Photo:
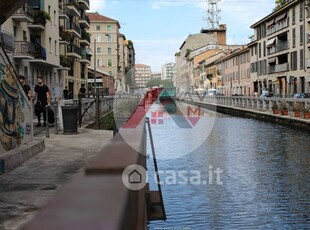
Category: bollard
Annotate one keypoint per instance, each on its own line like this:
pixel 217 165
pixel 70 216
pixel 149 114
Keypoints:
pixel 47 124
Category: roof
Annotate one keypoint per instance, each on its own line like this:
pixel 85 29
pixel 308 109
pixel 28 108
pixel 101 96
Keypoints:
pixel 141 65
pixel 96 17
pixel 99 70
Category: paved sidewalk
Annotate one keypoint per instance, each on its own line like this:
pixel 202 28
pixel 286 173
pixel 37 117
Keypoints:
pixel 26 189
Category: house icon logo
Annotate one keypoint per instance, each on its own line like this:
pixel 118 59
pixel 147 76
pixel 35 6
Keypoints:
pixel 134 177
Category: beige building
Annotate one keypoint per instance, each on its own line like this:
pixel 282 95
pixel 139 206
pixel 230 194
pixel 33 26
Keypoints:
pixel 185 75
pixel 46 36
pixel 114 53
pixel 280 50
pixel 234 71
pixel 74 44
pixel 143 74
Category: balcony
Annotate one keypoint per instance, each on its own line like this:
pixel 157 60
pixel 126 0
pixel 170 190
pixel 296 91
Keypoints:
pixel 7 40
pixel 39 21
pixel 74 29
pixel 73 51
pixel 85 54
pixel 278 68
pixel 65 36
pixel 24 14
pixel 65 62
pixel 84 4
pixel 63 13
pixel 85 39
pixel 24 50
pixel 84 22
pixel 73 8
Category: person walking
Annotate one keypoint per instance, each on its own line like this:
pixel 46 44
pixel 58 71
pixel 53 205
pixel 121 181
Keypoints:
pixel 42 100
pixel 25 86
pixel 66 93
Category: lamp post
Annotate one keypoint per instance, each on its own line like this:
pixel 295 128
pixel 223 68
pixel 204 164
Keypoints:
pixel 95 88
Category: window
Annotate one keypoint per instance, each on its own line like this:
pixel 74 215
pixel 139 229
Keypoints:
pixel 109 38
pixel 301 58
pixel 109 62
pixel 109 27
pixel 293 15
pixel 294 37
pixel 97 27
pixel 301 10
pixel 54 17
pixel 301 34
pixel 24 35
pixel 50 44
pixel 56 47
pixel 99 63
pixel 15 31
pixel 294 60
pixel 109 50
pixel 264 49
pixel 98 38
pixel 98 50
pixel 49 10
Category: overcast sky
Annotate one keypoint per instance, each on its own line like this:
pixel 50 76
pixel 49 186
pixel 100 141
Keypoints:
pixel 159 27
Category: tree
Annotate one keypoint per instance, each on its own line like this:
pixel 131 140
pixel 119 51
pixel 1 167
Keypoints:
pixel 279 4
pixel 159 83
pixel 153 82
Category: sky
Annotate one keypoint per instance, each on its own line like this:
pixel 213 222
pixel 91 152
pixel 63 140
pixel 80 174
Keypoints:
pixel 158 28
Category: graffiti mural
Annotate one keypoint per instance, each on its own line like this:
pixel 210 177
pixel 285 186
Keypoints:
pixel 11 116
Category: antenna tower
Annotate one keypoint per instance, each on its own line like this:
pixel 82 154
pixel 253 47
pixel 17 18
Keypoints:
pixel 213 14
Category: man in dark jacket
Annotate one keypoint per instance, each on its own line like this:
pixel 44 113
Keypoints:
pixel 43 100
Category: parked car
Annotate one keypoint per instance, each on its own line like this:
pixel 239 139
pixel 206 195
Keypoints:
pixel 300 95
pixel 265 93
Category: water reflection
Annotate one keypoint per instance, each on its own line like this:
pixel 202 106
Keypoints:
pixel 266 177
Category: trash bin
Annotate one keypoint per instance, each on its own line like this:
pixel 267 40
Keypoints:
pixel 70 117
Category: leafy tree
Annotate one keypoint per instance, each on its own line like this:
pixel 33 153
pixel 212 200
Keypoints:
pixel 153 82
pixel 158 82
pixel 279 4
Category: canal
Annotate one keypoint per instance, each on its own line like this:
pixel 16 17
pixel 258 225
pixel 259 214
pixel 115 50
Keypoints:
pixel 230 173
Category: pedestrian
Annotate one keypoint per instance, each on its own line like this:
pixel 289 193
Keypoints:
pixel 66 93
pixel 42 100
pixel 25 86
pixel 82 91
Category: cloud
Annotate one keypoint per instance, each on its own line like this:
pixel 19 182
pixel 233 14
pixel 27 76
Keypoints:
pixel 101 5
pixel 160 4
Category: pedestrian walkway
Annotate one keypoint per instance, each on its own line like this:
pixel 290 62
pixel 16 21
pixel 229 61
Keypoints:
pixel 29 187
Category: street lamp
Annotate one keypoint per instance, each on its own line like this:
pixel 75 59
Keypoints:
pixel 95 88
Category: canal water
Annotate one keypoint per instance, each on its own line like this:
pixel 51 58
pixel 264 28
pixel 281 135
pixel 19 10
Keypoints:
pixel 244 174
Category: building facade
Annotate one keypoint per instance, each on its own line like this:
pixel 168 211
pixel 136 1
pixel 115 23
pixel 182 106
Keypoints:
pixel 143 74
pixel 168 71
pixel 114 53
pixel 46 38
pixel 280 50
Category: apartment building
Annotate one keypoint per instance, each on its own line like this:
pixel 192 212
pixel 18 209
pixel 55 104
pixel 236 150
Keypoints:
pixel 46 35
pixel 234 73
pixel 168 71
pixel 185 75
pixel 114 53
pixel 143 74
pixel 279 53
pixel 74 48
